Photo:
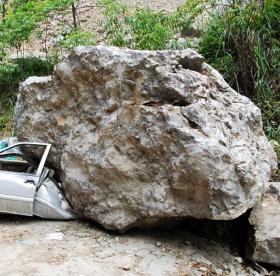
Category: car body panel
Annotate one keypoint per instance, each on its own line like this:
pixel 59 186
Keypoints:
pixel 17 193
pixel 33 191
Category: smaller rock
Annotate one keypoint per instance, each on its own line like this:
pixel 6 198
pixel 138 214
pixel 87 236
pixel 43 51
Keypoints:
pixel 238 259
pixel 181 40
pixel 264 244
pixel 99 240
pixel 144 93
pixel 126 268
pixel 158 244
pixel 226 268
pixel 219 271
pixel 187 243
pixel 111 107
pixel 203 269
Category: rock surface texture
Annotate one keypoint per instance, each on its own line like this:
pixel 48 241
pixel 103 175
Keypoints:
pixel 265 219
pixel 141 136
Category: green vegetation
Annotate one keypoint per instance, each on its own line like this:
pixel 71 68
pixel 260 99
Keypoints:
pixel 20 20
pixel 11 74
pixel 142 29
pixel 75 38
pixel 243 43
pixel 68 42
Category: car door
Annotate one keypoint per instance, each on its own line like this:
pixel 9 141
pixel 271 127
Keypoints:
pixel 17 189
pixel 17 192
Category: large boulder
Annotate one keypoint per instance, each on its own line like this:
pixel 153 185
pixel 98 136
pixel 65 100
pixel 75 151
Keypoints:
pixel 264 244
pixel 141 136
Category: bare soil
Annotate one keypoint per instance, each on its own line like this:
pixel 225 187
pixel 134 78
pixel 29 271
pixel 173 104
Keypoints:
pixel 31 246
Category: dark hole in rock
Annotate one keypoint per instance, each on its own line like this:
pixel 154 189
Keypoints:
pixel 233 233
pixel 222 143
pixel 228 125
pixel 274 271
pixel 213 96
pixel 180 103
pixel 193 124
pixel 151 103
pixel 175 103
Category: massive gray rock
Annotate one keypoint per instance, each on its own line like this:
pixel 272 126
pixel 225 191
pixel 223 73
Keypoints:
pixel 141 136
pixel 265 218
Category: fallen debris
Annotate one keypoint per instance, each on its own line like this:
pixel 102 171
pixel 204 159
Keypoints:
pixel 58 236
pixel 265 218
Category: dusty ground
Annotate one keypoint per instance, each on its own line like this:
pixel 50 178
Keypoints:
pixel 39 247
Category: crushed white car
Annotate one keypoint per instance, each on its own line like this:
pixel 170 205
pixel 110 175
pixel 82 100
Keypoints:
pixel 27 186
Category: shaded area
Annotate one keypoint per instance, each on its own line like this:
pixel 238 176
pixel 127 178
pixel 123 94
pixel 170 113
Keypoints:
pixel 41 247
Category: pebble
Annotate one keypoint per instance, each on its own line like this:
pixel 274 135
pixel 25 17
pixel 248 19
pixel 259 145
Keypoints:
pixel 203 269
pixel 219 271
pixel 126 268
pixel 238 259
pixel 226 268
pixel 158 244
pixel 187 243
pixel 181 40
pixel 144 93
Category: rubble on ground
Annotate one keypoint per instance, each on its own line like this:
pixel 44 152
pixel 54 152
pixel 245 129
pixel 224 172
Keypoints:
pixel 265 219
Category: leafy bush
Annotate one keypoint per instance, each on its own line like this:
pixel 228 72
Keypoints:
pixel 6 125
pixel 19 20
pixel 243 43
pixel 75 38
pixel 22 18
pixel 142 29
pixel 11 75
pixel 149 29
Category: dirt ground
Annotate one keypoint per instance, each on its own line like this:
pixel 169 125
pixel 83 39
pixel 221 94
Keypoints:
pixel 31 246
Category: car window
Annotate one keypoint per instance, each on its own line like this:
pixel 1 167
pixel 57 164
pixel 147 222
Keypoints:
pixel 15 163
pixel 25 157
